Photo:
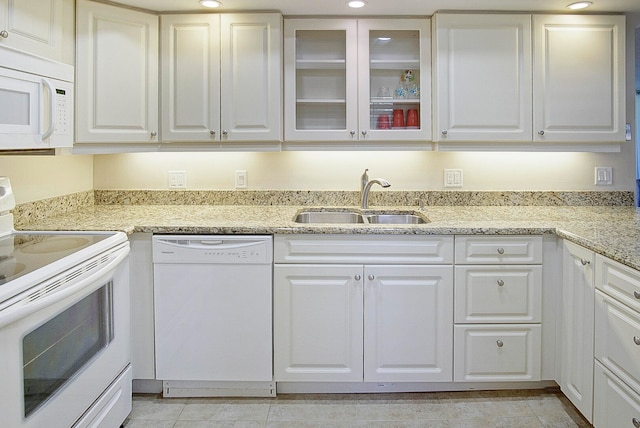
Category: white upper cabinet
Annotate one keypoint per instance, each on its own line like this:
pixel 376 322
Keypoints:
pixel 482 75
pixel 221 77
pixel 190 68
pixel 251 77
pixel 33 26
pixel 346 80
pixel 116 74
pixel 579 78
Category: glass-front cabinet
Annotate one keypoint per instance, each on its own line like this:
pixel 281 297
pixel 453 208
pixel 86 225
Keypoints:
pixel 358 81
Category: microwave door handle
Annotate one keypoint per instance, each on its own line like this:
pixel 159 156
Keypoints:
pixel 52 110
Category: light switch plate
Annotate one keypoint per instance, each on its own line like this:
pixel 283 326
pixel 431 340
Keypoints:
pixel 177 179
pixel 452 178
pixel 241 179
pixel 603 176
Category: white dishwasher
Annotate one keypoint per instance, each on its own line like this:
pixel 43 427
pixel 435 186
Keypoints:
pixel 213 314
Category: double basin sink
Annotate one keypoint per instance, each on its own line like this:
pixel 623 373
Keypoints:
pixel 354 217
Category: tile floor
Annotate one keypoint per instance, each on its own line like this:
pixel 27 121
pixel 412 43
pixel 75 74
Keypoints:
pixel 512 409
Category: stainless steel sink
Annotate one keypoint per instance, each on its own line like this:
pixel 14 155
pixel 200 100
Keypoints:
pixel 329 217
pixel 352 217
pixel 395 219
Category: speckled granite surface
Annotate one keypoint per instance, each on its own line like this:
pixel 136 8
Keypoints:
pixel 613 231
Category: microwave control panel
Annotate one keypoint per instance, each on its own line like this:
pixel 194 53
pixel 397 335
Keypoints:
pixel 63 107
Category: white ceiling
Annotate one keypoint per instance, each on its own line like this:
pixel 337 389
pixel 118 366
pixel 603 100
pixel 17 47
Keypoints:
pixel 384 7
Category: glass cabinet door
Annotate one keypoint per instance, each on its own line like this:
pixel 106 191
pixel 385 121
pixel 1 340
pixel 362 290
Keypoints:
pixel 395 79
pixel 320 80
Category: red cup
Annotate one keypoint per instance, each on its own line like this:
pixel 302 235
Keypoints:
pixel 412 118
pixel 383 121
pixel 398 119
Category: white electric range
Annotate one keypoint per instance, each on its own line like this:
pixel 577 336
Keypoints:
pixel 64 326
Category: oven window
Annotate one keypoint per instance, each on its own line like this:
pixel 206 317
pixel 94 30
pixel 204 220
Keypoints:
pixel 58 349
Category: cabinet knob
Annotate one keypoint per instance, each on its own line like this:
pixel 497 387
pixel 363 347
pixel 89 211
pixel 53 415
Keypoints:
pixel 500 343
pixel 636 422
pixel 500 283
pixel 212 133
pixel 500 250
pixel 4 34
pixel 444 132
pixel 541 133
pixel 371 277
pixel 352 132
pixel 585 262
pixel 358 277
pixel 154 134
pixel 636 340
pixel 636 294
pixel 364 133
pixel 225 132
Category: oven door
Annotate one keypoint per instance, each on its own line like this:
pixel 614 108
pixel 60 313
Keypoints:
pixel 64 342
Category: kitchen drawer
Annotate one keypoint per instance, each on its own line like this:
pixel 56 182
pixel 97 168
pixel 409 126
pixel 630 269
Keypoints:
pixel 617 339
pixel 498 294
pixel 497 353
pixel 482 250
pixel 618 281
pixel 365 249
pixel 615 405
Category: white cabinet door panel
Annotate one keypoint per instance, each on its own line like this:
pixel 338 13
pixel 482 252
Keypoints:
pixel 615 404
pixel 408 323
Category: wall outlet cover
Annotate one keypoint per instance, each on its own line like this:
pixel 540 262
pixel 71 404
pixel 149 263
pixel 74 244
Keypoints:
pixel 177 179
pixel 241 179
pixel 452 178
pixel 603 176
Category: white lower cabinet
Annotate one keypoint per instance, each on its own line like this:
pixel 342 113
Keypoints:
pixel 498 308
pixel 360 321
pixel 576 367
pixel 617 345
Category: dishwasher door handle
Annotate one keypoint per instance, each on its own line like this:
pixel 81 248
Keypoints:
pixel 211 242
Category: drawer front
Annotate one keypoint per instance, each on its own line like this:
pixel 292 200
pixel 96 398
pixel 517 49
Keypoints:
pixel 615 405
pixel 618 281
pixel 498 250
pixel 617 339
pixel 498 294
pixel 365 249
pixel 497 353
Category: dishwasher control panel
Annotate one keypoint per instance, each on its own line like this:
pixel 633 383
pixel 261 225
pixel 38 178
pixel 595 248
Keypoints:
pixel 228 249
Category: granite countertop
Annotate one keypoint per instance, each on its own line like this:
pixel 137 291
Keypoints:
pixel 611 231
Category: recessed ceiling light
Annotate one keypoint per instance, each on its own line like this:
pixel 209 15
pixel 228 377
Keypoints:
pixel 210 3
pixel 356 3
pixel 579 5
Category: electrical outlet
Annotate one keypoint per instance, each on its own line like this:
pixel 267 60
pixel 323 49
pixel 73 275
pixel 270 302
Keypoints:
pixel 452 178
pixel 241 179
pixel 177 179
pixel 603 176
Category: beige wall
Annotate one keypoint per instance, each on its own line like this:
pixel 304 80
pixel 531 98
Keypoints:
pixel 41 177
pixel 341 170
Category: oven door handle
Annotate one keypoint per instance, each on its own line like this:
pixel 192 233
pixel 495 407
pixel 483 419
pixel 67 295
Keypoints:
pixel 41 296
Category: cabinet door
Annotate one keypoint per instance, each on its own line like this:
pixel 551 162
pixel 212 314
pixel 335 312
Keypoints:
pixel 394 87
pixel 251 77
pixel 116 74
pixel 408 323
pixel 190 53
pixel 577 354
pixel 318 323
pixel 482 72
pixel 615 404
pixel 321 74
pixel 579 79
pixel 33 26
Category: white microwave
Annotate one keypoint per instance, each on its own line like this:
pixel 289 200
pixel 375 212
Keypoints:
pixel 36 102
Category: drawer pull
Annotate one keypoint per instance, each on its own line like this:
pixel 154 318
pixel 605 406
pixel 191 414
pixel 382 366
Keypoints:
pixel 585 262
pixel 636 340
pixel 636 294
pixel 500 343
pixel 357 277
pixel 636 422
pixel 500 250
pixel 500 283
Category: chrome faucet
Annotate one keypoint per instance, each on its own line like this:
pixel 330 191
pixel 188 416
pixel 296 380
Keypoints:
pixel 367 188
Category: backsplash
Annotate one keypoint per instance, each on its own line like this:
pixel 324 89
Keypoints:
pixel 26 213
pixel 352 198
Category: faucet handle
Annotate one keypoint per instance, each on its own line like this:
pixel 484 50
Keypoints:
pixel 420 203
pixel 364 179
